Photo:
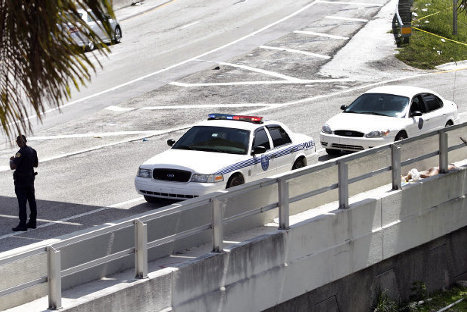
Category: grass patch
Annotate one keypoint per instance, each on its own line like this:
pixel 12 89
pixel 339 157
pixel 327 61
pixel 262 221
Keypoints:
pixel 421 301
pixel 441 299
pixel 425 50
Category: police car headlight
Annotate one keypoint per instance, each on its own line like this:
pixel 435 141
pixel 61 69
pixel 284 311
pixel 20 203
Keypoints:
pixel 144 173
pixel 326 129
pixel 377 134
pixel 207 178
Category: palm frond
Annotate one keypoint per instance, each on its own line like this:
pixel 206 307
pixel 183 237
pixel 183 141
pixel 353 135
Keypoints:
pixel 39 61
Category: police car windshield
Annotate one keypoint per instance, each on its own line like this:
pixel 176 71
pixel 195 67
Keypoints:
pixel 215 139
pixel 379 104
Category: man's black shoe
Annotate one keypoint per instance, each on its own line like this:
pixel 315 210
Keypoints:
pixel 31 225
pixel 20 228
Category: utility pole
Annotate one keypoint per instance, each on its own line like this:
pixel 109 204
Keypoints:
pixel 454 17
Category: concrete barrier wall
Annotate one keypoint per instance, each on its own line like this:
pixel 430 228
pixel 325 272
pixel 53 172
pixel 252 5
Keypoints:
pixel 272 269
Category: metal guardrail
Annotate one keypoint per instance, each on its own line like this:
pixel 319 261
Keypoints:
pixel 217 203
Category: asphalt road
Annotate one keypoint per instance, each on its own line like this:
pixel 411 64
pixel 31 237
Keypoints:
pixel 293 61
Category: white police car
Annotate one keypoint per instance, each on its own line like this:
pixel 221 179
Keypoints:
pixel 224 151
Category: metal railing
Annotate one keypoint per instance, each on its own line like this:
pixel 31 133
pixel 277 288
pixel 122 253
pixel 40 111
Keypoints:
pixel 218 203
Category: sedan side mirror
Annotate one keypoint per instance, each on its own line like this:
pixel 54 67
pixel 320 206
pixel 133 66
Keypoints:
pixel 258 150
pixel 416 114
pixel 344 107
pixel 170 142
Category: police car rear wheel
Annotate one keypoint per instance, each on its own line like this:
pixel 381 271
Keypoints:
pixel 299 163
pixel 236 179
pixel 333 152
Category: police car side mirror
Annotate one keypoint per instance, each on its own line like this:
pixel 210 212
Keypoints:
pixel 170 142
pixel 344 107
pixel 258 150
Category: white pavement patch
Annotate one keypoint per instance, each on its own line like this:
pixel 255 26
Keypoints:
pixel 326 57
pixel 347 19
pixel 353 3
pixel 311 33
pixel 262 82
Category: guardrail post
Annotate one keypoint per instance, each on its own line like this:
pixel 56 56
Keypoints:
pixel 343 183
pixel 283 187
pixel 443 152
pixel 54 278
pixel 217 225
pixel 396 167
pixel 141 249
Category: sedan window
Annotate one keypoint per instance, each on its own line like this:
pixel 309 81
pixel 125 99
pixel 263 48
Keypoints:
pixel 261 139
pixel 215 139
pixel 432 102
pixel 278 135
pixel 379 104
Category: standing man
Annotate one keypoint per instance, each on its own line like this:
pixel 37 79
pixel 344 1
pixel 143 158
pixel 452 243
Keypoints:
pixel 23 163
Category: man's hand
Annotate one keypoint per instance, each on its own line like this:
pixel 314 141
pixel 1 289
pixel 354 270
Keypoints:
pixel 12 163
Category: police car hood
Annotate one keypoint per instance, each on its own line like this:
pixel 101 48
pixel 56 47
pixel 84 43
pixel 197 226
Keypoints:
pixel 195 161
pixel 364 122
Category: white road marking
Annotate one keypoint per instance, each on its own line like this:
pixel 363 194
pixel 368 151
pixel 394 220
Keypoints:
pixel 320 34
pixel 181 63
pixel 296 51
pixel 352 3
pixel 189 25
pixel 261 71
pixel 347 19
pixel 262 82
pixel 205 106
pixel 53 222
pixel 131 201
pixel 119 108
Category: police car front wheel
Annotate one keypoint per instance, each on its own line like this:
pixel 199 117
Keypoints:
pixel 152 200
pixel 236 179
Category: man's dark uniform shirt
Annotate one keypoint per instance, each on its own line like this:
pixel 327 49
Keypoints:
pixel 25 161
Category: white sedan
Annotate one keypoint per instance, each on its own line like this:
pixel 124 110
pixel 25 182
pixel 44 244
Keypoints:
pixel 221 152
pixel 384 115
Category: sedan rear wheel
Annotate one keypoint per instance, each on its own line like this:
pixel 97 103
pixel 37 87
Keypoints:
pixel 117 35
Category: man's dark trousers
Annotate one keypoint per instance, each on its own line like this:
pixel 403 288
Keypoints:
pixel 25 193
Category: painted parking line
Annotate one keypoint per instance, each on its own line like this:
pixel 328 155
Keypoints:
pixel 347 19
pixel 261 71
pixel 54 222
pixel 297 51
pixel 311 33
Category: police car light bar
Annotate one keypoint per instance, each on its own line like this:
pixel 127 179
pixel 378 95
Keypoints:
pixel 255 119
